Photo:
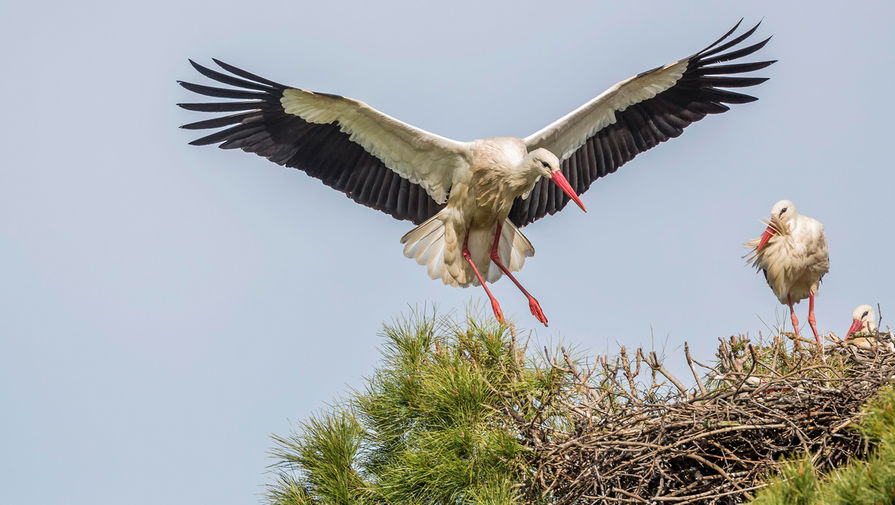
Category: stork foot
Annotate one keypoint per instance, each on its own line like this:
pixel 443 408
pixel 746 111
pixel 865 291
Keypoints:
pixel 536 310
pixel 497 312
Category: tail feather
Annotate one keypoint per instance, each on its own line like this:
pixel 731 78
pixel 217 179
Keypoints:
pixel 427 245
pixel 436 262
pixel 417 241
pixel 520 247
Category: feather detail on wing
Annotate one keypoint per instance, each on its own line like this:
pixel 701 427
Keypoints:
pixel 636 115
pixel 373 158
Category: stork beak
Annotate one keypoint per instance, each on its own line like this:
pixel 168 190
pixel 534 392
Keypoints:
pixel 561 181
pixel 768 233
pixel 856 326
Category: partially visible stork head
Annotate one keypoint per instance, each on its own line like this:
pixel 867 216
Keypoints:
pixel 784 210
pixel 546 164
pixel 863 319
pixel 782 213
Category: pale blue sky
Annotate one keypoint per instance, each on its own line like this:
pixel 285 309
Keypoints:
pixel 166 307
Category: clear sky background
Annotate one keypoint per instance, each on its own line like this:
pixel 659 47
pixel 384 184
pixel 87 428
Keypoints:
pixel 164 308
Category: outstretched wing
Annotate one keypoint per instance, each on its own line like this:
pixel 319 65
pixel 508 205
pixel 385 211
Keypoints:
pixel 373 158
pixel 635 115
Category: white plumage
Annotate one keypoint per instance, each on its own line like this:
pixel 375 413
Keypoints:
pixel 792 254
pixel 432 161
pixel 862 332
pixel 863 321
pixel 426 245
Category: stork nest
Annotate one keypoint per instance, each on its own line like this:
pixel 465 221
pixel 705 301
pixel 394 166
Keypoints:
pixel 606 435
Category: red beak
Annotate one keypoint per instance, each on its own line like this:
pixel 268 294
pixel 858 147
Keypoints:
pixel 856 326
pixel 768 233
pixel 561 181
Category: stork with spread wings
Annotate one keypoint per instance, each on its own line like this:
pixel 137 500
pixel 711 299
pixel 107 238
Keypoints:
pixel 470 198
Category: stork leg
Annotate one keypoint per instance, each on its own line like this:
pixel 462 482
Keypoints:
pixel 533 304
pixel 795 320
pixel 812 322
pixel 494 305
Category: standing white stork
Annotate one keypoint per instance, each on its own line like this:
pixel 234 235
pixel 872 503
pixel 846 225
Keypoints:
pixel 469 198
pixel 792 253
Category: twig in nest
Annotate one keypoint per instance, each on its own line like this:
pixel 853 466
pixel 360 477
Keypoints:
pixel 693 369
pixel 656 365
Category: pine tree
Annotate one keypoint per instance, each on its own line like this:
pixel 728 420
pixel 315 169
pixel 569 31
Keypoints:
pixel 426 428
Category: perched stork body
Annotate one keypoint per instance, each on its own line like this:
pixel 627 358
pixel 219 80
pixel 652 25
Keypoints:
pixel 862 333
pixel 470 198
pixel 792 254
pixel 863 321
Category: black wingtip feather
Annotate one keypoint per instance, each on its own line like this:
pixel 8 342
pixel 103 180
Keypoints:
pixel 224 106
pixel 715 43
pixel 222 92
pixel 733 68
pixel 220 122
pixel 232 133
pixel 723 96
pixel 724 81
pixel 708 52
pixel 228 79
pixel 732 55
pixel 246 75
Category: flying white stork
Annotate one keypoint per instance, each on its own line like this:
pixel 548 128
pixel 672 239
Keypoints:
pixel 469 198
pixel 792 253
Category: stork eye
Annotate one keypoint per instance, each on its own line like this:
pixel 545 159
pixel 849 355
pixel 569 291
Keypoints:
pixel 544 164
pixel 865 314
pixel 783 210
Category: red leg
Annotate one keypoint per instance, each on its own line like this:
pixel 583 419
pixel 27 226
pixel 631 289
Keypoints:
pixel 792 313
pixel 494 305
pixel 795 320
pixel 533 304
pixel 812 322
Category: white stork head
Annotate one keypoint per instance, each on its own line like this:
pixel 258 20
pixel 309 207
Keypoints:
pixel 543 163
pixel 782 214
pixel 863 319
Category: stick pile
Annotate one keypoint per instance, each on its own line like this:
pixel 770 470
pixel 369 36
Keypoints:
pixel 628 431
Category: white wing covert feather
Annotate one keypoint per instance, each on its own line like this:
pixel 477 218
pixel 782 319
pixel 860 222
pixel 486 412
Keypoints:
pixel 565 135
pixel 423 158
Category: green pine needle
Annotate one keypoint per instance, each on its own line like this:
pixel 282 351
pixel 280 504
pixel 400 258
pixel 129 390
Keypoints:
pixel 426 427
